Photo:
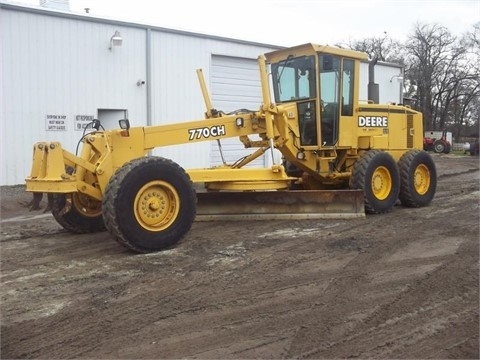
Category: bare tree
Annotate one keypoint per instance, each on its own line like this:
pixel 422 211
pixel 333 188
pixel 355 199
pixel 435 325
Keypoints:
pixel 473 38
pixel 444 74
pixel 381 48
pixel 429 49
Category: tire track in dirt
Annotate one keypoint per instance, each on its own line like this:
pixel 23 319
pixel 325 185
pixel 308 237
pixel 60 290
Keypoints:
pixel 392 314
pixel 295 314
pixel 242 319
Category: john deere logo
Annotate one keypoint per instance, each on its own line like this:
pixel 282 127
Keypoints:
pixel 372 121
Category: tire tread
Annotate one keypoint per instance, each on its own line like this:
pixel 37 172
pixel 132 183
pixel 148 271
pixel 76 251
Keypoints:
pixel 113 191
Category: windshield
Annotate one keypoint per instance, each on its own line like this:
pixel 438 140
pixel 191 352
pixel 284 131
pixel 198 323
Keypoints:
pixel 294 79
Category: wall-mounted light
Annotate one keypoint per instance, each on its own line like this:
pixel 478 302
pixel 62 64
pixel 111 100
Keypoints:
pixel 115 40
pixel 399 78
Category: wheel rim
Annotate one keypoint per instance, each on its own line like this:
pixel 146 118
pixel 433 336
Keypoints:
pixel 421 179
pixel 86 205
pixel 381 183
pixel 156 205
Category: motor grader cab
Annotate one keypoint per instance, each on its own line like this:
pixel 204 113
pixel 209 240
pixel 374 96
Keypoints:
pixel 340 157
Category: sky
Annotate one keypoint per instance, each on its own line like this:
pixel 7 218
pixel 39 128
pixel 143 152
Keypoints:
pixel 289 22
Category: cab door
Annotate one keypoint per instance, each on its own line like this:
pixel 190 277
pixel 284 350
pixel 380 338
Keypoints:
pixel 336 78
pixel 329 97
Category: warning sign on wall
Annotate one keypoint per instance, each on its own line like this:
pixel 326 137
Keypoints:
pixel 81 121
pixel 56 122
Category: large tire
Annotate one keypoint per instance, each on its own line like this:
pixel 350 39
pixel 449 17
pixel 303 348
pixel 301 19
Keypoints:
pixel 418 178
pixel 149 204
pixel 78 213
pixel 474 149
pixel 439 146
pixel 376 173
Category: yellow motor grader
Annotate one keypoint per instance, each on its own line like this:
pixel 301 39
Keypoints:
pixel 339 156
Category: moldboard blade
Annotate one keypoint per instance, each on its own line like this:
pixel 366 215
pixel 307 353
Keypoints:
pixel 293 204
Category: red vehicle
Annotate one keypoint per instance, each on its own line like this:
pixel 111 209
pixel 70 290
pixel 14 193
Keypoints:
pixel 439 146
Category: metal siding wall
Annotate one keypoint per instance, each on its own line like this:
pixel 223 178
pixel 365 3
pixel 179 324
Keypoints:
pixel 177 96
pixel 53 65
pixel 6 166
pixel 390 92
pixel 56 65
pixel 363 93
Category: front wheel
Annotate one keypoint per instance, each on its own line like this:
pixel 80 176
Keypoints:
pixel 149 204
pixel 376 173
pixel 418 178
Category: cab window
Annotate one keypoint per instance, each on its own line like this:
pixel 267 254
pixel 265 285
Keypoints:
pixel 329 95
pixel 347 87
pixel 294 79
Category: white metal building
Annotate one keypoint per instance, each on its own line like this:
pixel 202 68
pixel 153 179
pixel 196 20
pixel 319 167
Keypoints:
pixel 59 70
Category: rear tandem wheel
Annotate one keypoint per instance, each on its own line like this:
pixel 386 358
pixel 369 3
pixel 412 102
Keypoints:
pixel 149 204
pixel 376 173
pixel 418 178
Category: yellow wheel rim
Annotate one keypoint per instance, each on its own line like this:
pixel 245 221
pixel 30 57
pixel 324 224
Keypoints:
pixel 381 183
pixel 156 205
pixel 421 179
pixel 86 205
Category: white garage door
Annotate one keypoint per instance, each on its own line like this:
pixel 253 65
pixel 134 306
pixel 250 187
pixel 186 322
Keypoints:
pixel 235 84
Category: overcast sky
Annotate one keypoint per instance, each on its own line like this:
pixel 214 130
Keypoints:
pixel 289 22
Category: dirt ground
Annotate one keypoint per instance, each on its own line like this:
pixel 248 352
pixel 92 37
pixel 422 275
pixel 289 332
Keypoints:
pixel 399 285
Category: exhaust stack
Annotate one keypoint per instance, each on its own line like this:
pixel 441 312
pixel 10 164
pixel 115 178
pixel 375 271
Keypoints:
pixel 373 88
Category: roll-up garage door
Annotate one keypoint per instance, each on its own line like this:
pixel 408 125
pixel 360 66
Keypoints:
pixel 235 84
